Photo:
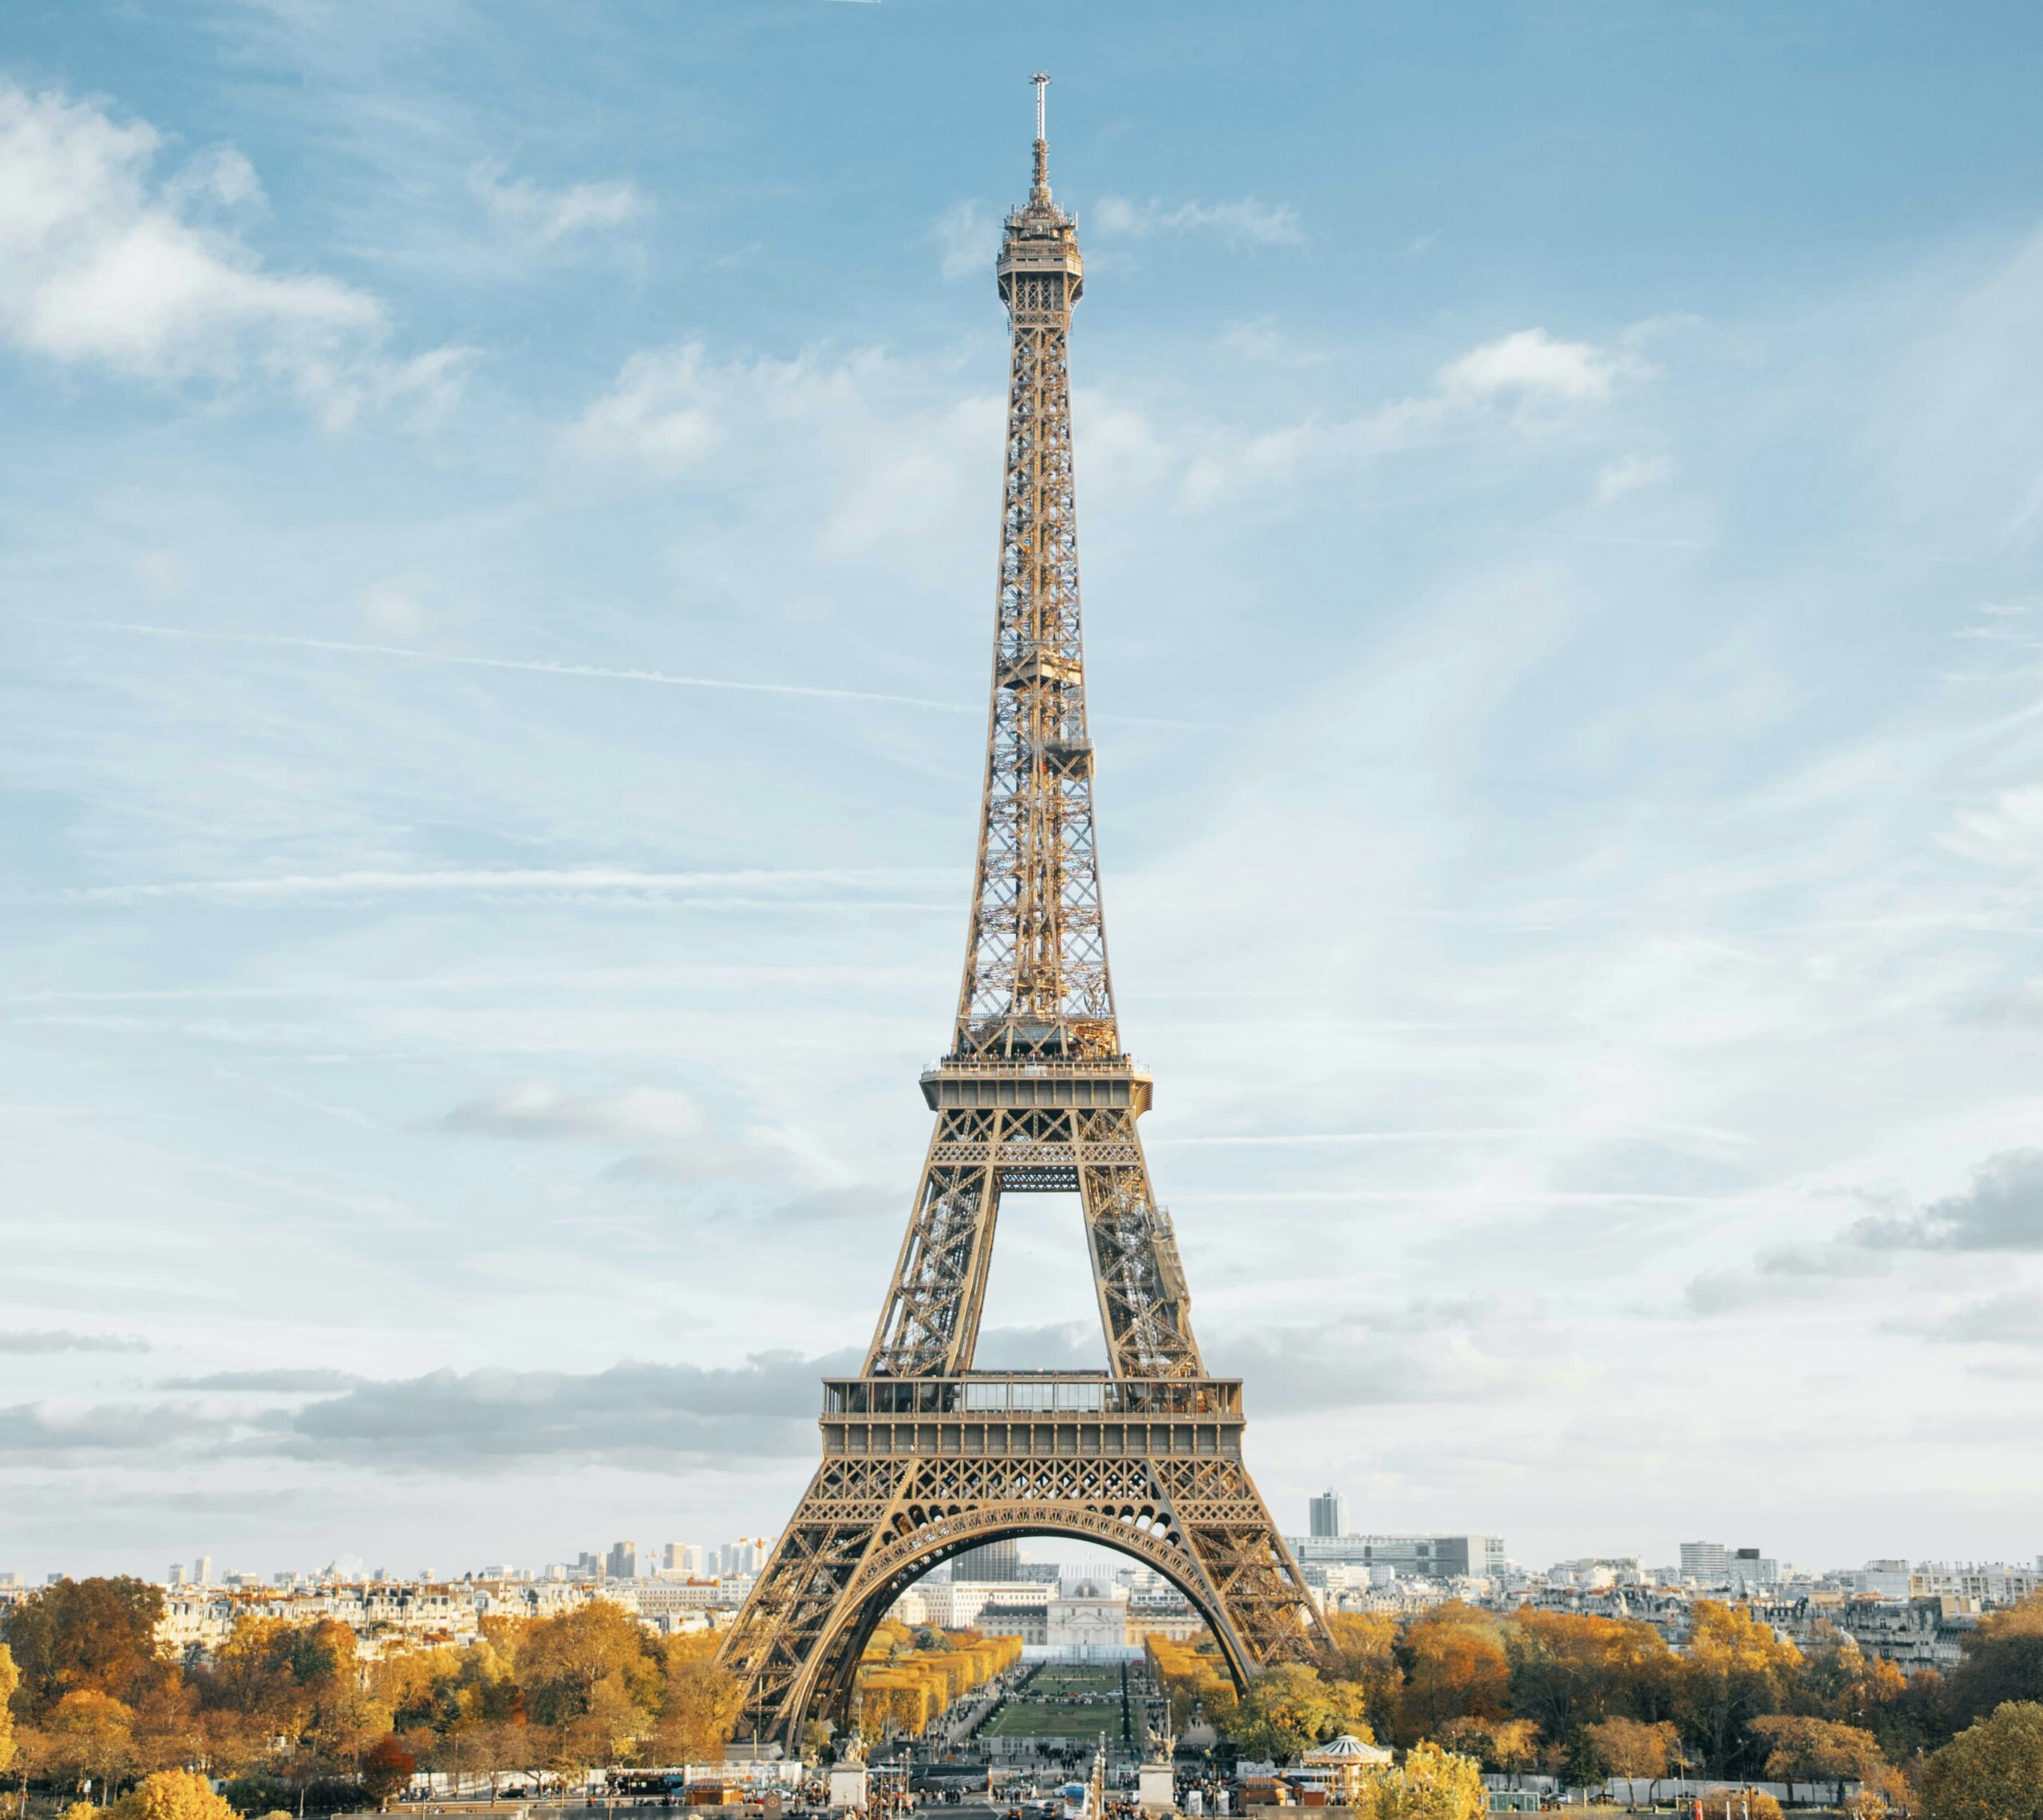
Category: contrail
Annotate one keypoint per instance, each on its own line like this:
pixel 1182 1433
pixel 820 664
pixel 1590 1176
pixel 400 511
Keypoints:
pixel 599 673
pixel 596 672
pixel 1410 1137
pixel 565 881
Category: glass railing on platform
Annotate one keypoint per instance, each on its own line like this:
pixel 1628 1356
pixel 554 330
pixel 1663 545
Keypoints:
pixel 993 1394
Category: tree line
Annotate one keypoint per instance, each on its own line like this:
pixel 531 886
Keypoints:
pixel 1587 1698
pixel 907 1677
pixel 295 1719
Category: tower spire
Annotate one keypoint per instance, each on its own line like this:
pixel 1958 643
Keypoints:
pixel 1036 983
pixel 1039 191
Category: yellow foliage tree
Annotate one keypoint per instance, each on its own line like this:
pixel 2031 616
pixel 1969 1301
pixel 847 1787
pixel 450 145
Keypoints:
pixel 1455 1667
pixel 1634 1750
pixel 1189 1679
pixel 1991 1770
pixel 171 1794
pixel 1734 1671
pixel 10 1679
pixel 1430 1784
pixel 1802 1749
pixel 90 1736
pixel 1363 1660
pixel 700 1705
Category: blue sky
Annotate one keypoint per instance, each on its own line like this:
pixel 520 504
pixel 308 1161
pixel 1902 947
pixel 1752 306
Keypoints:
pixel 495 585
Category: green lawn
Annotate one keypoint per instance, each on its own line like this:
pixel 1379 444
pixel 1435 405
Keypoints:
pixel 1063 1701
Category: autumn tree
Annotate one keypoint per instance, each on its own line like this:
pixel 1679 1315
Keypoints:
pixel 1734 1670
pixel 10 1679
pixel 700 1701
pixel 1841 1682
pixel 173 1794
pixel 88 1736
pixel 1634 1749
pixel 1802 1749
pixel 95 1636
pixel 594 1662
pixel 1992 1770
pixel 2002 1661
pixel 1363 1658
pixel 1430 1784
pixel 1284 1712
pixel 1569 1670
pixel 386 1771
pixel 1512 1746
pixel 1455 1668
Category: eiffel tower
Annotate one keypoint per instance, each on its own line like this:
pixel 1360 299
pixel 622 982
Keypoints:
pixel 924 1457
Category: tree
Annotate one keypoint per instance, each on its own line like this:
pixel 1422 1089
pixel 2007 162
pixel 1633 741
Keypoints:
pixel 89 1737
pixel 1430 1784
pixel 1363 1659
pixel 173 1794
pixel 1845 1684
pixel 387 1770
pixel 1632 1749
pixel 98 1636
pixel 1801 1749
pixel 10 1679
pixel 1513 1747
pixel 1735 1669
pixel 2002 1661
pixel 1569 1670
pixel 1284 1712
pixel 700 1703
pixel 592 1663
pixel 1991 1770
pixel 1455 1668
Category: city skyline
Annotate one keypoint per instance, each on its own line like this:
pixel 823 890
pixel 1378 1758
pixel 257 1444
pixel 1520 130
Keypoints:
pixel 496 608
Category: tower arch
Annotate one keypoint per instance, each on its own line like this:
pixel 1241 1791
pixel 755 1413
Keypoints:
pixel 895 1568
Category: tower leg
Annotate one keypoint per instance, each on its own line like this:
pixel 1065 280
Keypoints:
pixel 1144 1303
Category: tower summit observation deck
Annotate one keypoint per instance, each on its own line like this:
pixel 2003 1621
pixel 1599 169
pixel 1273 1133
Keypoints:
pixel 923 1456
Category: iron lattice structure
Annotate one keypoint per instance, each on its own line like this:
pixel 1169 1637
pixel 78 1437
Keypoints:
pixel 924 1457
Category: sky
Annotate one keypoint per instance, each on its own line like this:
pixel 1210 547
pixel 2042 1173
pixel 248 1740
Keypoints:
pixel 496 573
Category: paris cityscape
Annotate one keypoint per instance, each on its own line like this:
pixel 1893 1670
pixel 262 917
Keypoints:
pixel 515 506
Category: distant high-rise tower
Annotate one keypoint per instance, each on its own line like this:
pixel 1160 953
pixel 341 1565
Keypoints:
pixel 201 1570
pixel 989 1561
pixel 621 1562
pixel 1705 1562
pixel 1329 1515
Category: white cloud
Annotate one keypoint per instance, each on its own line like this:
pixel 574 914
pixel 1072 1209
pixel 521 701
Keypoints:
pixel 1530 364
pixel 100 265
pixel 1633 474
pixel 542 216
pixel 1273 224
pixel 2009 832
pixel 1524 380
pixel 884 457
pixel 658 412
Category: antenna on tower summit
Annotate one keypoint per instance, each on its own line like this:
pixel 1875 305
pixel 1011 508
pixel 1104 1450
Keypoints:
pixel 1040 190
